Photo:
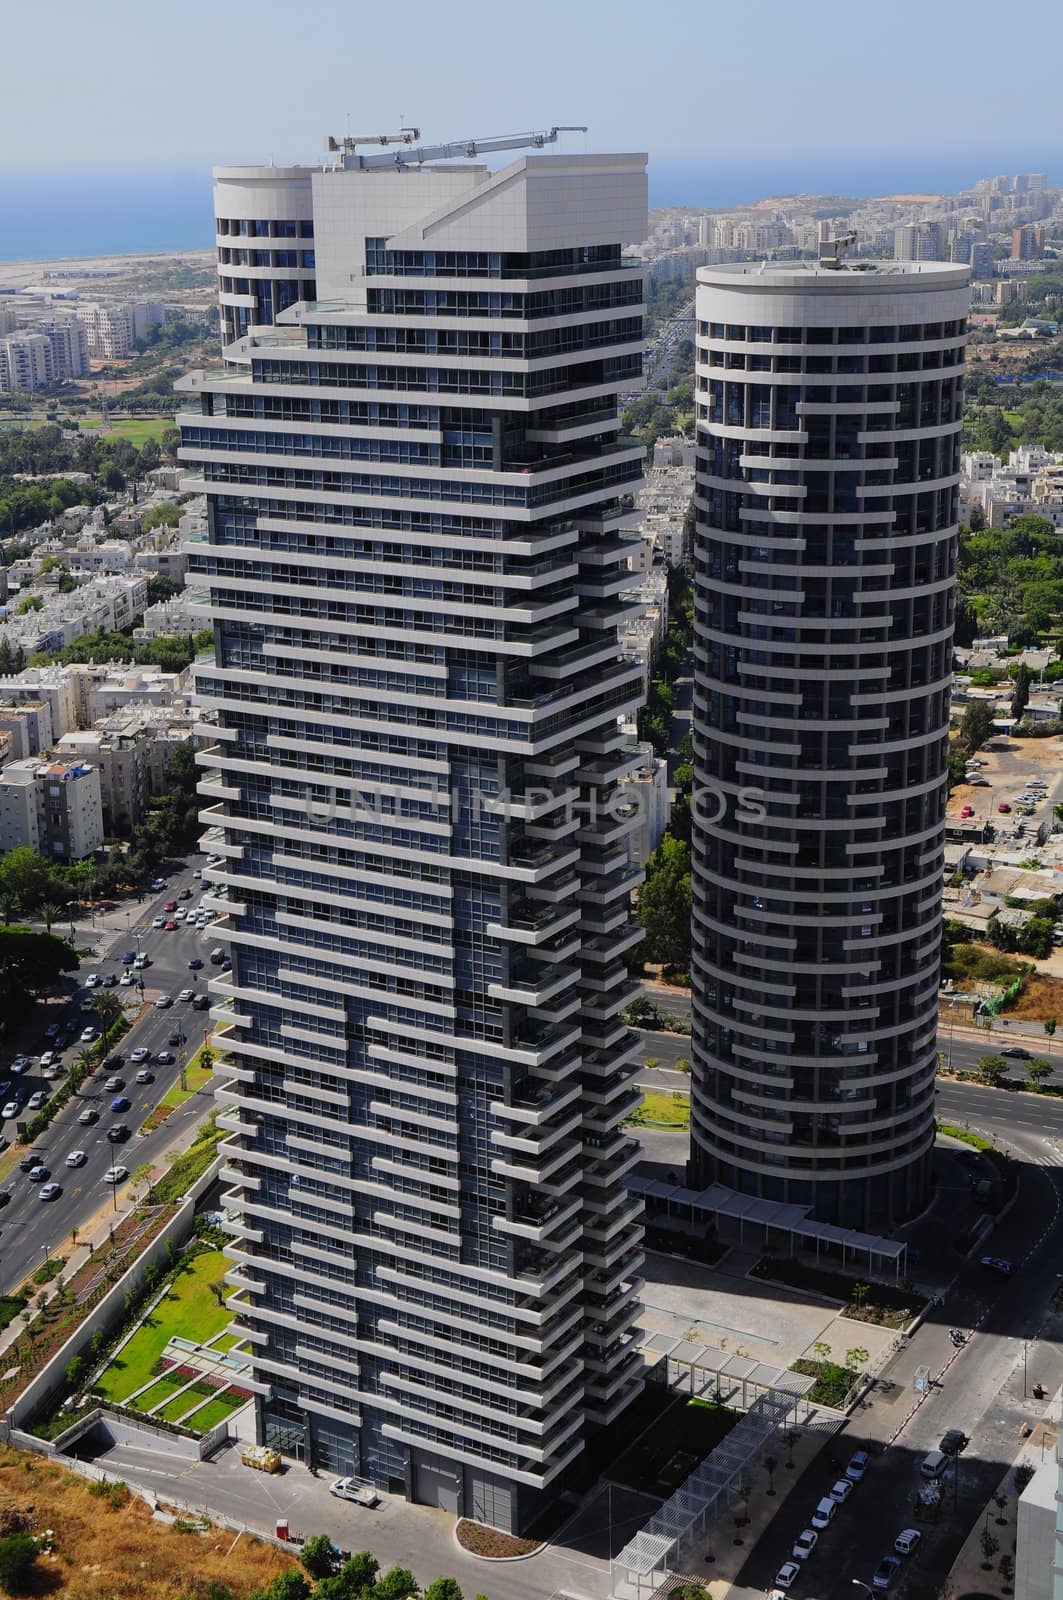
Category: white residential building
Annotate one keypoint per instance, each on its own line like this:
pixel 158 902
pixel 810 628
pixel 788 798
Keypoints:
pixel 19 810
pixel 26 362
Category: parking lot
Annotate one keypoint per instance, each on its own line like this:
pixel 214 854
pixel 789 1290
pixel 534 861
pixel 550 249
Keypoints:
pixel 98 1129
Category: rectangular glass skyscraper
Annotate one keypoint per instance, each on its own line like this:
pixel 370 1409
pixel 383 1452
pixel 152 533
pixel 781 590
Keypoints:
pixel 414 575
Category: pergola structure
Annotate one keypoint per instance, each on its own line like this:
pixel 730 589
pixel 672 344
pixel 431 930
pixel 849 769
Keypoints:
pixel 670 1536
pixel 772 1222
pixel 702 1369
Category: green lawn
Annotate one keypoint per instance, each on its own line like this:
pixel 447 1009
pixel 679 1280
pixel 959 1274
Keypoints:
pixel 214 1412
pixel 672 1446
pixel 160 1390
pixel 189 1309
pixel 138 429
pixel 670 1110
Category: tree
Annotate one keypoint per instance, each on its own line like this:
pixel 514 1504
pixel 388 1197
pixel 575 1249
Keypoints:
pixel 1050 1028
pixel 859 1292
pixel 75 1371
pixel 770 1464
pixel 821 1350
pixel 790 1439
pixel 25 880
pixel 355 1578
pixel 1023 1476
pixel 1007 1570
pixel 49 910
pixel 1038 1071
pixel 18 1557
pixel 1000 1501
pixel 318 1556
pixel 992 1070
pixel 219 1289
pixel 290 1585
pixel 990 1545
pixel 856 1358
pixel 31 962
pixel 663 906
pixel 398 1583
pixel 976 727
pixel 1020 697
pixel 444 1589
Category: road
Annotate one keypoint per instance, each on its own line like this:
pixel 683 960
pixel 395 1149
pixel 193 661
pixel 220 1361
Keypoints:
pixel 29 1228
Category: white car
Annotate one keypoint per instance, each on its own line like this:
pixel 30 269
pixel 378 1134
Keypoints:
pixel 363 1494
pixel 804 1544
pixel 141 1053
pixel 186 994
pixel 92 981
pixel 10 1110
pixel 179 914
pixel 76 1158
pixel 20 1064
pixel 141 960
pixel 88 1035
pixel 907 1541
pixel 840 1491
pixel 116 1175
pixel 786 1574
pixel 158 922
pixel 126 979
pixel 49 1058
pixel 858 1466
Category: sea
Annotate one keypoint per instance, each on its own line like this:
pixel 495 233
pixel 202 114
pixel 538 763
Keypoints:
pixel 51 215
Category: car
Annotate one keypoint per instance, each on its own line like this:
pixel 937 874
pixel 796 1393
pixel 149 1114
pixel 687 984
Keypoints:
pixel 116 1175
pixel 38 1172
pixel 128 957
pixel 1015 1052
pixel 179 915
pixel 804 1544
pixel 164 1002
pixel 5 1198
pixel 185 894
pixel 171 926
pixel 126 979
pixel 144 1076
pixel 786 1574
pixel 49 1058
pixel 88 1116
pixel 50 1191
pixel 195 964
pixel 171 905
pixel 29 1161
pixel 142 961
pixel 953 1442
pixel 858 1465
pixel 112 1085
pixel 92 981
pixel 979 783
pixel 907 1541
pixel 141 1053
pixel 198 873
pixel 36 1100
pixel 157 884
pixel 201 1002
pixel 11 1109
pixel 121 1102
pixel 187 994
pixel 163 1058
pixel 76 1158
pixel 112 1062
pixel 217 956
pixel 51 1030
pixel 997 1264
pixel 885 1572
pixel 363 1494
pixel 1003 808
pixel 824 1513
pixel 109 980
pixel 158 922
pixel 934 1464
pixel 20 1064
pixel 119 1133
pixel 968 811
pixel 56 1070
pixel 88 1036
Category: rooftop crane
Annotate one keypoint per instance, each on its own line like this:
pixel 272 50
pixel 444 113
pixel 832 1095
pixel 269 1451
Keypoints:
pixel 351 161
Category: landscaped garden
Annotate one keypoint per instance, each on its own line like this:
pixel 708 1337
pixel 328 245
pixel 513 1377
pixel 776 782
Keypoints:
pixel 192 1312
pixel 881 1303
pixel 672 1446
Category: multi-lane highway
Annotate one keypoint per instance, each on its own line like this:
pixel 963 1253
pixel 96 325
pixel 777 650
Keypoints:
pixel 31 1228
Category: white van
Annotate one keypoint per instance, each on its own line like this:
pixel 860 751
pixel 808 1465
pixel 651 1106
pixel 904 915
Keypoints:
pixel 824 1513
pixel 934 1464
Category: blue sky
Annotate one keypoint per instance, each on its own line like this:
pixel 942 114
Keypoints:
pixel 119 85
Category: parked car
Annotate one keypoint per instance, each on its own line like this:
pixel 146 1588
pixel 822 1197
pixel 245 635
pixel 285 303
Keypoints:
pixel 907 1541
pixel 19 1065
pixel 11 1109
pixel 49 1058
pixel 201 1002
pixel 76 1158
pixel 1003 808
pixel 934 1464
pixel 36 1100
pixel 885 1572
pixel 953 1442
pixel 804 1544
pixel 858 1465
pixel 787 1573
pixel 88 1035
pixel 997 1264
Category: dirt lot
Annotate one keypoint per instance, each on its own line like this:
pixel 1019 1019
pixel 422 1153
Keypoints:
pixel 1041 999
pixel 110 1548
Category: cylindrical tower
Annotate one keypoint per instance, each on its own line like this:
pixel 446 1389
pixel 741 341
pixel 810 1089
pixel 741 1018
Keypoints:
pixel 829 420
pixel 264 220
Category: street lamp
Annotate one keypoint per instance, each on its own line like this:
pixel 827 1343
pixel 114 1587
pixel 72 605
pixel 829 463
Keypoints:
pixel 114 1192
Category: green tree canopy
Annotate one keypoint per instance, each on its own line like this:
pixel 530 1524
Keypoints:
pixel 31 962
pixel 663 906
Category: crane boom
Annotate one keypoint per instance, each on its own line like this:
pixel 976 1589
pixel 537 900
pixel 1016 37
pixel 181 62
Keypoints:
pixel 350 140
pixel 443 152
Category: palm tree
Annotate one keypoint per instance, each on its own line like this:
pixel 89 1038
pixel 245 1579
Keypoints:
pixel 106 1006
pixel 50 912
